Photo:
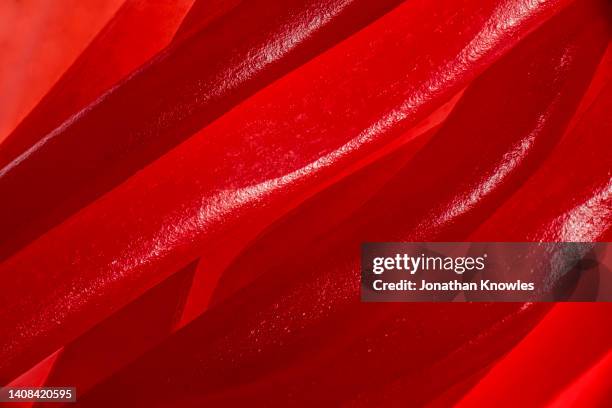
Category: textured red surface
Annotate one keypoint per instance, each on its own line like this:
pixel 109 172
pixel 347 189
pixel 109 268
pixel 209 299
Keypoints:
pixel 181 213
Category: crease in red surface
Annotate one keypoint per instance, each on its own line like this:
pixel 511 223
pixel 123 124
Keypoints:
pixel 201 14
pixel 127 334
pixel 35 377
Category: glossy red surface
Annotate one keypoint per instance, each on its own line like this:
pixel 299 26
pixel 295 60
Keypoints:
pixel 175 207
pixel 183 89
pixel 308 330
pixel 518 134
pixel 195 231
pixel 577 207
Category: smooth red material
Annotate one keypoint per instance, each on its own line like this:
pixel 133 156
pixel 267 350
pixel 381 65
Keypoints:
pixel 190 237
pixel 101 258
pixel 301 326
